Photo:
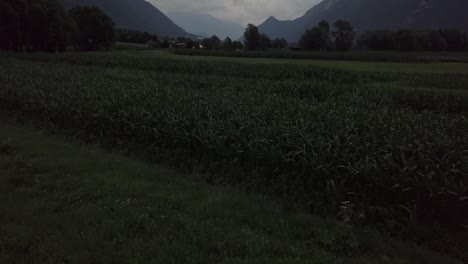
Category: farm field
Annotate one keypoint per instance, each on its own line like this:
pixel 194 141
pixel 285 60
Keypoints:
pixel 379 144
pixel 361 66
pixel 356 55
pixel 62 201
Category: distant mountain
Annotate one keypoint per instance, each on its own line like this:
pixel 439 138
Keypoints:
pixel 206 25
pixel 375 14
pixel 134 14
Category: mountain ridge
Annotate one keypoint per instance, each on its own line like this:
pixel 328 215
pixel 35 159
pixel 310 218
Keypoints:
pixel 371 15
pixel 205 24
pixel 135 15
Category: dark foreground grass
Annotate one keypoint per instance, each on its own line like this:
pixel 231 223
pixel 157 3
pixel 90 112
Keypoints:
pixel 62 202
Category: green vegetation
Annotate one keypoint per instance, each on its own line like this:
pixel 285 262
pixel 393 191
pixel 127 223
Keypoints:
pixel 34 25
pixel 62 202
pixel 45 25
pixel 369 56
pixel 95 29
pixel 408 40
pixel 317 38
pixel 386 148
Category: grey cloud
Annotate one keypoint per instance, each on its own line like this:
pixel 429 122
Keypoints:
pixel 240 11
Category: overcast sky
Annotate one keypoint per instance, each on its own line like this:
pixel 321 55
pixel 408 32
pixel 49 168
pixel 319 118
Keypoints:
pixel 240 11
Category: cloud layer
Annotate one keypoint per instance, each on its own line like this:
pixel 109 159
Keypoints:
pixel 240 11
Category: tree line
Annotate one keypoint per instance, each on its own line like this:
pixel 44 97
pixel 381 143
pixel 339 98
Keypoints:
pixel 45 25
pixel 134 36
pixel 343 38
pixel 411 40
pixel 254 40
pixel 322 38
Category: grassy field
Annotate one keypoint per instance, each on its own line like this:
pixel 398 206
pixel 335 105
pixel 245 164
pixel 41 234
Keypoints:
pixel 365 66
pixel 382 145
pixel 360 66
pixel 371 56
pixel 62 202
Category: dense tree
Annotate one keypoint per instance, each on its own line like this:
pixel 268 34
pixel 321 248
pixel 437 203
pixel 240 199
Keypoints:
pixel 406 40
pixel 34 25
pixel 95 28
pixel 265 42
pixel 279 43
pixel 215 42
pixel 165 44
pixel 325 39
pixel 456 40
pixel 312 39
pixel 237 45
pixel 228 44
pixel 377 40
pixel 206 43
pixel 343 35
pixel 434 41
pixel 134 36
pixel 10 25
pixel 251 37
pixel 317 38
pixel 212 43
pixel 325 27
pixel 190 43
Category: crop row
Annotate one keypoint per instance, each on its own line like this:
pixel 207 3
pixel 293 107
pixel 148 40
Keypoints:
pixel 277 71
pixel 382 149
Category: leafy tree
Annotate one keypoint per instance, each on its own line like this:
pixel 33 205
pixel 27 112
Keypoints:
pixel 377 40
pixel 215 42
pixel 228 44
pixel 279 43
pixel 211 43
pixel 317 38
pixel 306 40
pixel 10 26
pixel 455 39
pixel 325 39
pixel 237 45
pixel 134 36
pixel 206 43
pixel 406 40
pixel 196 45
pixel 325 27
pixel 95 28
pixel 190 43
pixel 409 40
pixel 251 37
pixel 265 42
pixel 312 39
pixel 34 25
pixel 165 44
pixel 344 35
pixel 434 41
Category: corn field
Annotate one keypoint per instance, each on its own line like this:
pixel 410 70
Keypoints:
pixel 389 145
